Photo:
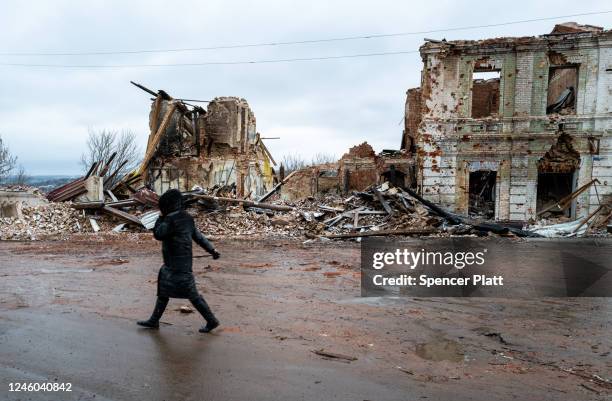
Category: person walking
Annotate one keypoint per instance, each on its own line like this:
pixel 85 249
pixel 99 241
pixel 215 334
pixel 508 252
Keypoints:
pixel 176 230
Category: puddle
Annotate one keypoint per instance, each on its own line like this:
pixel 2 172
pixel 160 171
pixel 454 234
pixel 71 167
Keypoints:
pixel 50 271
pixel 440 350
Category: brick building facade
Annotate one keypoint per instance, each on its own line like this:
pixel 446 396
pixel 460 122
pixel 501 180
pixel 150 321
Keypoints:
pixel 514 124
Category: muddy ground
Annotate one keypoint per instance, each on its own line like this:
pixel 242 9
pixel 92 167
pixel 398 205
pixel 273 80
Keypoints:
pixel 68 311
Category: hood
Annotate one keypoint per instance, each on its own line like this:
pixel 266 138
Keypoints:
pixel 170 201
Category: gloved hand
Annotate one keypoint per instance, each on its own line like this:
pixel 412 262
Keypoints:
pixel 215 254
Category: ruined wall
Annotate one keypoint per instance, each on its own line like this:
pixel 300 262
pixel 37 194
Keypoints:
pixel 222 148
pixel 451 143
pixel 230 121
pixel 412 118
pixel 357 168
pixel 12 201
pixel 311 181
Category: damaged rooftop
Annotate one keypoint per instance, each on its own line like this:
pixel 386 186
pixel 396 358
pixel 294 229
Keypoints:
pixel 561 33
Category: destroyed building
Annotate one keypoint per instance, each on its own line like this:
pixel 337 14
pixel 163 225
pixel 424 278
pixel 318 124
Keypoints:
pixel 214 147
pixel 13 200
pixel 507 127
pixel 358 169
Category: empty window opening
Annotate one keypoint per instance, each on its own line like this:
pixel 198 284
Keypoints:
pixel 556 172
pixel 562 83
pixel 482 194
pixel 552 187
pixel 485 93
pixel 395 177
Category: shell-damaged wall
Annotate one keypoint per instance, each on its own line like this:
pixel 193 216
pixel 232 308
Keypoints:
pixel 356 170
pixel 222 147
pixel 513 139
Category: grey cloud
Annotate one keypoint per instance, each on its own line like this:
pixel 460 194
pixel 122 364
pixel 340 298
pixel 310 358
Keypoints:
pixel 314 106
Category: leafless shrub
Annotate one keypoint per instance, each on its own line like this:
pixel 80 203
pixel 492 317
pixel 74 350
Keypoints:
pixel 102 144
pixel 292 162
pixel 7 161
pixel 21 178
pixel 323 158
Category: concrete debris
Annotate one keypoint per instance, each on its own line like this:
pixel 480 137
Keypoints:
pixel 42 222
pixel 94 225
pixel 14 198
pixel 119 228
pixel 595 224
pixel 568 229
pixel 185 309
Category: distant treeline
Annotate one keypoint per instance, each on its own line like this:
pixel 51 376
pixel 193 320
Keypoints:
pixel 45 183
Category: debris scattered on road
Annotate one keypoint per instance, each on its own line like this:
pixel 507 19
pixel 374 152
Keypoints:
pixel 333 355
pixel 185 309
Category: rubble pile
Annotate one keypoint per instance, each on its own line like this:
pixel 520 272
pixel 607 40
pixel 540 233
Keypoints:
pixel 379 210
pixel 38 222
pixel 313 217
pixel 364 212
pixel 238 222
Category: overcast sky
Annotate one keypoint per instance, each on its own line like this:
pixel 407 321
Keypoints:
pixel 313 106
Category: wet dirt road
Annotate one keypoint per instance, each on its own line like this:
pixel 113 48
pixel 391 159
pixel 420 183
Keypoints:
pixel 67 312
pixel 112 359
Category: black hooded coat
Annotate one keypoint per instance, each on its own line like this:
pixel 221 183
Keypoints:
pixel 176 229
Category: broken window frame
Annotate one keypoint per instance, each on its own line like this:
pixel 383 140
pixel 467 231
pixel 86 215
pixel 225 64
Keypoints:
pixel 481 69
pixel 552 68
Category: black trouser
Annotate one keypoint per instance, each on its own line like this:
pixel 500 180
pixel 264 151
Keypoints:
pixel 198 302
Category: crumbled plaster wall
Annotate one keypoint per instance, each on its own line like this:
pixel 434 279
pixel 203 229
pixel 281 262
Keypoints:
pixel 412 118
pixel 12 201
pixel 230 153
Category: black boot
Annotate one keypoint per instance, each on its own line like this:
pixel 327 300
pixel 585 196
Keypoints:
pixel 153 322
pixel 211 321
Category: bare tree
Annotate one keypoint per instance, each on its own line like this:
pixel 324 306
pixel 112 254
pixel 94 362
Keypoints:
pixel 292 162
pixel 7 161
pixel 102 144
pixel 323 158
pixel 21 178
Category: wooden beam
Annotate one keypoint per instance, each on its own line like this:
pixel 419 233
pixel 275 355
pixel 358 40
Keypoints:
pixel 382 201
pixel 567 200
pixel 154 117
pixel 410 231
pixel 276 187
pixel 104 170
pixel 123 215
pixel 156 138
pixel 246 203
pixel 589 217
